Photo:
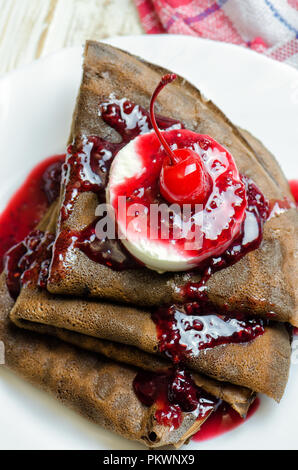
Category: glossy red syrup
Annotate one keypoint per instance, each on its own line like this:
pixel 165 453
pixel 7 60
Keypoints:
pixel 294 189
pixel 88 161
pixel 87 169
pixel 173 393
pixel 183 331
pixel 25 258
pixel 29 203
pixel 221 215
pixel 104 251
pixel 223 420
pixel 250 237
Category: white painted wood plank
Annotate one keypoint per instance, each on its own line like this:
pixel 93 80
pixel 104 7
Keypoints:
pixel 34 28
pixel 21 25
pixel 76 21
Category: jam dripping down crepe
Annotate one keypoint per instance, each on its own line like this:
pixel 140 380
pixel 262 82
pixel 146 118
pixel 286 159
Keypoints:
pixel 99 388
pixel 262 282
pixel 261 364
pixel 43 362
pixel 105 395
pixel 31 299
pixel 33 357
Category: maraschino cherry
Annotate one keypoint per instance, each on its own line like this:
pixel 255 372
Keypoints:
pixel 183 178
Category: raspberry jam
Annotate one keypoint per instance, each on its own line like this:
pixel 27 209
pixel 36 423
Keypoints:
pixel 87 169
pixel 224 419
pixel 88 163
pixel 257 212
pixel 173 393
pixel 102 250
pixel 183 331
pixel 22 248
pixel 23 262
pixel 29 203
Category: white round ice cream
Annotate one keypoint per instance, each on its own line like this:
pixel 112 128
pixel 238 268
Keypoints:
pixel 159 255
pixel 196 232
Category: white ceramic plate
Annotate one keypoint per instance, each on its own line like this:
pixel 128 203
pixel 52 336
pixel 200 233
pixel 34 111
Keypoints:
pixel 36 105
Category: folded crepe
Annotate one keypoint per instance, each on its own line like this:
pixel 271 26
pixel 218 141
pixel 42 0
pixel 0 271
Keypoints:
pixel 97 387
pixel 240 398
pixel 263 281
pixel 261 365
pixel 31 300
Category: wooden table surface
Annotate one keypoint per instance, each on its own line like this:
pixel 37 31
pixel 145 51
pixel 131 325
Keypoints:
pixel 30 29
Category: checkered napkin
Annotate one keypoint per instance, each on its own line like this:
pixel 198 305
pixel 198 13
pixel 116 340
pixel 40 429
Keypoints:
pixel 267 26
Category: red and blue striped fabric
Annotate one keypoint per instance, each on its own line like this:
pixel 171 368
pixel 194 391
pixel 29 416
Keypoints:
pixel 267 26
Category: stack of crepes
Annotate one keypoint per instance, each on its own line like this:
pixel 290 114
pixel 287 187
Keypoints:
pixel 96 340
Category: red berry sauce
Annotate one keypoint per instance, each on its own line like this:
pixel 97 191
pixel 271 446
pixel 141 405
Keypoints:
pixel 27 261
pixel 223 420
pixel 29 203
pixel 87 169
pixel 21 247
pixel 173 393
pixel 250 237
pixel 185 330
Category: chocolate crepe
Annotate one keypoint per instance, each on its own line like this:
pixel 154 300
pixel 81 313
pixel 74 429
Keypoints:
pixel 240 398
pixel 262 281
pixel 31 299
pixel 261 365
pixel 99 389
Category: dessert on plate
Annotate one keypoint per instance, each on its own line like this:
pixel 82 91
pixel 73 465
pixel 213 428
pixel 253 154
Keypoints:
pixel 163 274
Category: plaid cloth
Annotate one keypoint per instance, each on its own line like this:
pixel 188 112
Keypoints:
pixel 267 26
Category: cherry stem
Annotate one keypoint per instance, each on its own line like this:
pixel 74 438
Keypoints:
pixel 163 82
